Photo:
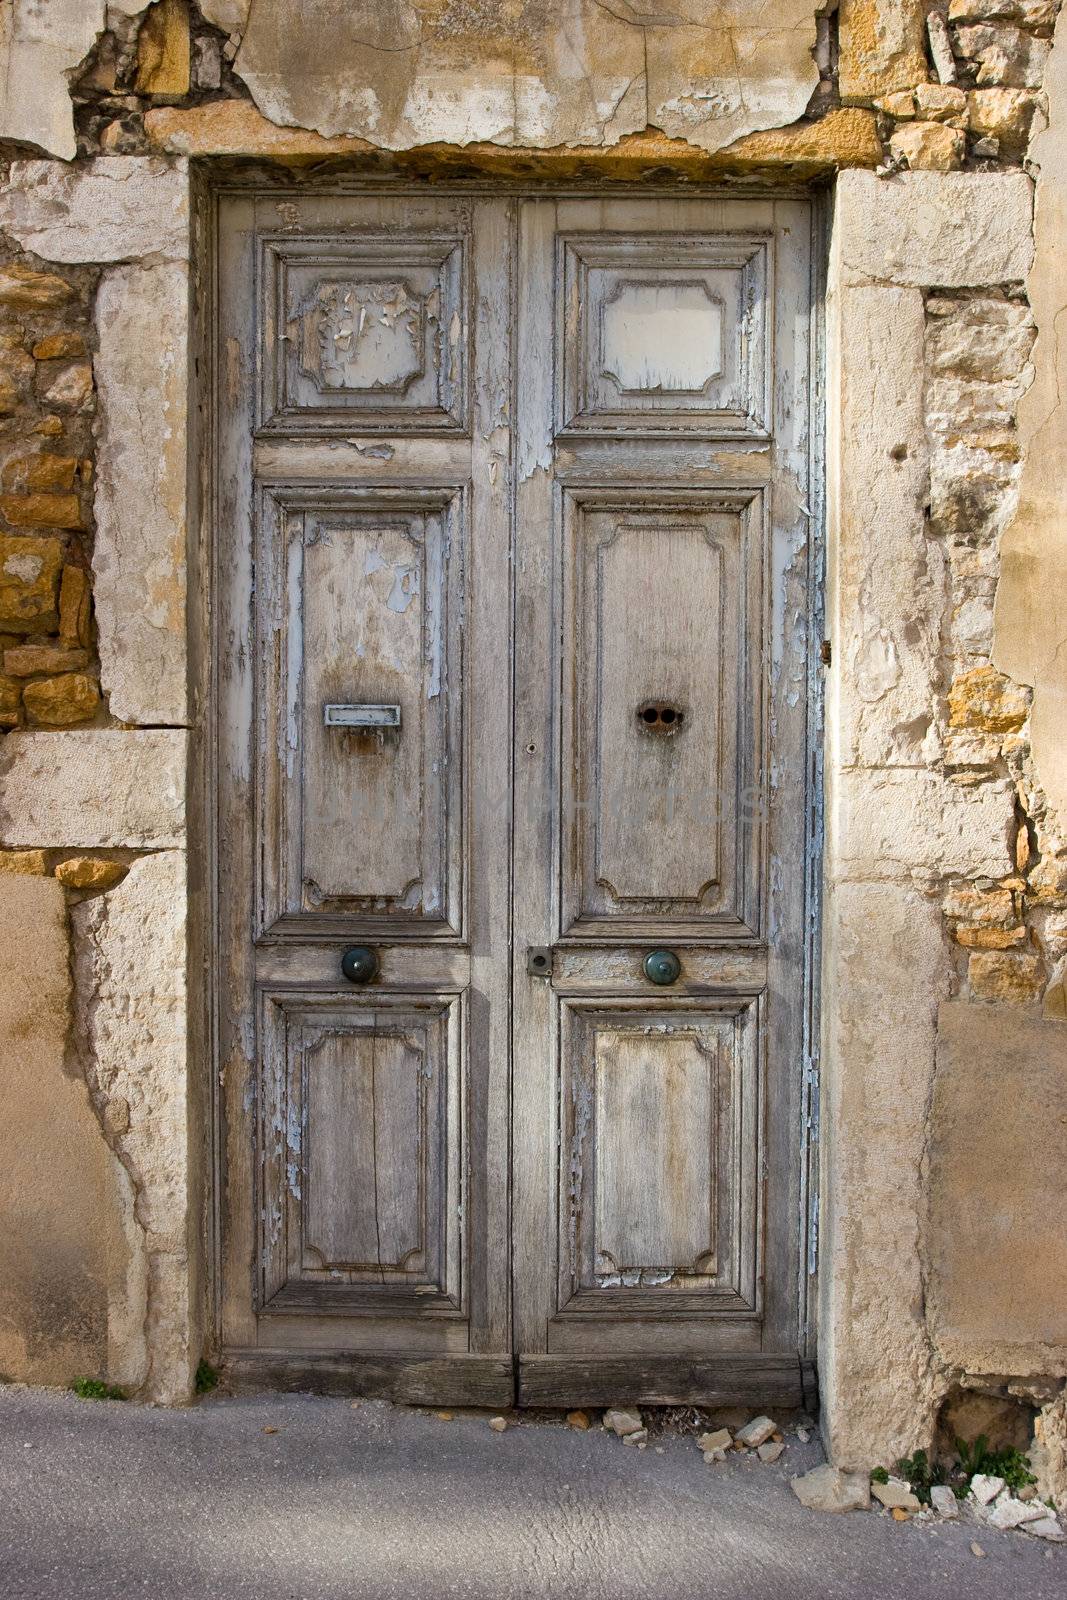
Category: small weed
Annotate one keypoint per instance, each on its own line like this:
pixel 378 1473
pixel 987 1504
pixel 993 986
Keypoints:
pixel 1010 1464
pixel 207 1377
pixel 879 1475
pixel 922 1473
pixel 95 1389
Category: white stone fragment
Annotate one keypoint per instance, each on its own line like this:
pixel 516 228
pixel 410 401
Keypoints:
pixel 1008 1512
pixel 896 1493
pixel 498 1424
pixel 755 1433
pixel 951 229
pixel 1048 1528
pixel 623 1422
pixel 770 1451
pixel 93 788
pixel 985 1487
pixel 115 208
pixel 639 1437
pixel 711 1456
pixel 139 565
pixel 943 1499
pixel 827 1488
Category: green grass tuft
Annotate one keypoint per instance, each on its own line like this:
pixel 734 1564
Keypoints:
pixel 207 1377
pixel 96 1389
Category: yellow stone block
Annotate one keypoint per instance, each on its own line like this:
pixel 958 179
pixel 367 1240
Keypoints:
pixel 89 872
pixel 30 863
pixel 163 51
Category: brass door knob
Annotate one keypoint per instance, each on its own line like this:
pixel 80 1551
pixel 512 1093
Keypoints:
pixel 662 966
pixel 360 964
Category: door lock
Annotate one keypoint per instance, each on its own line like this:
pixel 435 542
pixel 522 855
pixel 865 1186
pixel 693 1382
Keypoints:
pixel 539 961
pixel 360 964
pixel 662 966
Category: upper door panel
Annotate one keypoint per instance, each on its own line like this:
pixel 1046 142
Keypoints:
pixel 664 334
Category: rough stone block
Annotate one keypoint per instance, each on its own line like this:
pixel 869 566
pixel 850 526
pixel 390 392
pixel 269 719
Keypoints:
pixel 978 338
pixel 41 510
pixel 62 701
pixel 114 208
pixel 884 969
pixel 59 346
pixel 93 788
pixel 62 1240
pixel 882 47
pixel 89 872
pixel 1005 55
pixel 130 1010
pixel 997 1287
pixel 955 229
pixel 29 582
pixel 42 473
pixel 139 556
pixel 891 822
pixel 929 146
pixel 163 67
pixel 24 289
pixel 985 699
pixel 24 660
pixel 69 389
pixel 1013 977
pixel 886 604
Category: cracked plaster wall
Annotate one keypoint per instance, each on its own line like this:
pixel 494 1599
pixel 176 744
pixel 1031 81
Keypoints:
pixel 946 863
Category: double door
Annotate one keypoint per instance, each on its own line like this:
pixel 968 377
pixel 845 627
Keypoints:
pixel 511 700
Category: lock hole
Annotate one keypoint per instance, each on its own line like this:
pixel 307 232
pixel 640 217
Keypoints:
pixel 660 716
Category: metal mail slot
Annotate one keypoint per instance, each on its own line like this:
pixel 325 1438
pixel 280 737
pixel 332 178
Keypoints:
pixel 361 716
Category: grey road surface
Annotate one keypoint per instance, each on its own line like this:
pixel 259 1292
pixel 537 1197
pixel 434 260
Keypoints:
pixel 104 1499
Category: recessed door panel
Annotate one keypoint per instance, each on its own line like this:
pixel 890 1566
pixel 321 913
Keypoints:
pixel 360 619
pixel 663 698
pixel 363 1137
pixel 659 1110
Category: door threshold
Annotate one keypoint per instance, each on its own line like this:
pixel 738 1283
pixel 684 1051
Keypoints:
pixel 663 1380
pixel 414 1380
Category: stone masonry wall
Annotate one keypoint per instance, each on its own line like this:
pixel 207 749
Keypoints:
pixel 947 859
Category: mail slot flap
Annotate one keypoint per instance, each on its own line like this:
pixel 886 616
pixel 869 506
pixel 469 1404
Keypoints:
pixel 361 716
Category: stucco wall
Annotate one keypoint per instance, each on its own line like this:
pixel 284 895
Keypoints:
pixel 946 862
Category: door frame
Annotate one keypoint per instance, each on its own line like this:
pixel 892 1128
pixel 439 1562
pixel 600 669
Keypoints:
pixel 211 184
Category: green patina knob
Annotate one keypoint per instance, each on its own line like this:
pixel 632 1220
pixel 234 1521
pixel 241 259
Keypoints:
pixel 360 964
pixel 662 966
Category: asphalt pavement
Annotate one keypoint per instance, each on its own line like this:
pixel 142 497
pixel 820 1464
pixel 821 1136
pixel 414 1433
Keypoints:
pixel 290 1497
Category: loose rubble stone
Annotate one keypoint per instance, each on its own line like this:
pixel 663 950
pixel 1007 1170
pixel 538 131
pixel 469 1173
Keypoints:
pixel 63 701
pixel 756 1432
pixel 943 1499
pixel 929 146
pixel 623 1422
pixel 881 47
pixel 939 101
pixel 24 660
pixel 88 872
pixel 713 1456
pixel 991 938
pixel 163 67
pixel 941 47
pixel 896 1494
pixel 1035 13
pixel 28 863
pixel 976 1549
pixel 1002 114
pixel 59 346
pixel 986 700
pixel 1047 1528
pixel 71 389
pixel 578 1419
pixel 827 1488
pixel 29 579
pixel 1009 1512
pixel 985 1487
pixel 1005 55
pixel 42 473
pixel 639 1437
pixel 720 1439
pixel 986 907
pixel 24 289
pixel 41 510
pixel 498 1424
pixel 978 338
pixel 16 374
pixel 998 975
pixel 770 1451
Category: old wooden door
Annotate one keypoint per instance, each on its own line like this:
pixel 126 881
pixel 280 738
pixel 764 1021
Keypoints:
pixel 511 692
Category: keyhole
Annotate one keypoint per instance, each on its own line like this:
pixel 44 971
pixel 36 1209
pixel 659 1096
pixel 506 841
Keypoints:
pixel 659 716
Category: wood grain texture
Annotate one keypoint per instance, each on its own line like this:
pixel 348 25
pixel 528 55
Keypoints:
pixel 661 1379
pixel 407 1380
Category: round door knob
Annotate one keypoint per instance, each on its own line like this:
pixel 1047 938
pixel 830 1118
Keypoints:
pixel 662 966
pixel 360 964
